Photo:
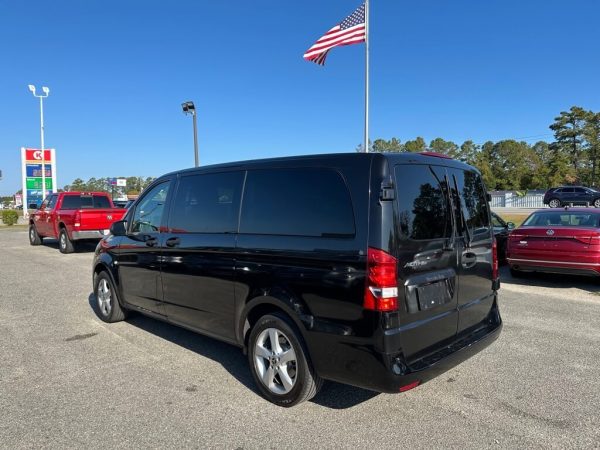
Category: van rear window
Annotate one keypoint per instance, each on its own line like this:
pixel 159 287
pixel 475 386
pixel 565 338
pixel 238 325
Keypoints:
pixel 297 202
pixel 423 210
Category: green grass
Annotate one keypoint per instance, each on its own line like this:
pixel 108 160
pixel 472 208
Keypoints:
pixel 517 219
pixel 13 228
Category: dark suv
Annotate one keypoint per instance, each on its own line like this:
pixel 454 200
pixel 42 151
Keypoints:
pixel 572 195
pixel 376 270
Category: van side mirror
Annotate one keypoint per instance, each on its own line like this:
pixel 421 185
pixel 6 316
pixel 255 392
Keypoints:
pixel 33 206
pixel 510 225
pixel 118 228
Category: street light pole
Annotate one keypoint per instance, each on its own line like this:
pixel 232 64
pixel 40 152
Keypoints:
pixel 189 108
pixel 46 91
pixel 196 161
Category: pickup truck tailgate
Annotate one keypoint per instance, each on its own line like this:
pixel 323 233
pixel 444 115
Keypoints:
pixel 98 219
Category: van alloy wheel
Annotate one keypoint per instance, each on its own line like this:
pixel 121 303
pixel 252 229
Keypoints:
pixel 107 306
pixel 275 361
pixel 104 297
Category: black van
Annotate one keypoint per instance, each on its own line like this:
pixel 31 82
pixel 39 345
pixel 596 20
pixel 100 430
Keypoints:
pixel 375 270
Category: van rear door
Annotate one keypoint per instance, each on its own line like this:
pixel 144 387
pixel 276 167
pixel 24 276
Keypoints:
pixel 427 255
pixel 474 246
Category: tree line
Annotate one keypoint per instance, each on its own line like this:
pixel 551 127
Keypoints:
pixel 572 158
pixel 135 185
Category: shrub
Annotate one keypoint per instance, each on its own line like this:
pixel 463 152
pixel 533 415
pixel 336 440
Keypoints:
pixel 9 217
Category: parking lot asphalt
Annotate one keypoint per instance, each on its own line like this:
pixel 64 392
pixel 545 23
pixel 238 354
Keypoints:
pixel 69 380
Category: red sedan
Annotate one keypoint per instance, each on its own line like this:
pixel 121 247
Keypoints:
pixel 557 241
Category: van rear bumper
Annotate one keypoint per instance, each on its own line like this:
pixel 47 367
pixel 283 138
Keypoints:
pixel 364 367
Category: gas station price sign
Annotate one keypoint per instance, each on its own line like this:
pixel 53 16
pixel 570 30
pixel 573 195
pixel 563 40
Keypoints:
pixel 32 171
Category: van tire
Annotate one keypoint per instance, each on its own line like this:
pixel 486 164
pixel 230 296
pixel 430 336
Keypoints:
pixel 34 237
pixel 306 382
pixel 65 245
pixel 106 301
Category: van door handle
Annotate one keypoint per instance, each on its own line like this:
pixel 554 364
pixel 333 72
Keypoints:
pixel 173 242
pixel 151 241
pixel 469 259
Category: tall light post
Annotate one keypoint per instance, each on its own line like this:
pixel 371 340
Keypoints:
pixel 189 108
pixel 46 92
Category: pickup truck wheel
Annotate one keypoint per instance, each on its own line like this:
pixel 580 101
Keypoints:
pixel 34 237
pixel 65 245
pixel 279 362
pixel 516 273
pixel 107 306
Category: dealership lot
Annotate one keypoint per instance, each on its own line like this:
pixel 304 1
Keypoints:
pixel 69 380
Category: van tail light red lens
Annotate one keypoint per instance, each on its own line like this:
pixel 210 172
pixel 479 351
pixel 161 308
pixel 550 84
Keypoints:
pixel 381 291
pixel 495 264
pixel 410 386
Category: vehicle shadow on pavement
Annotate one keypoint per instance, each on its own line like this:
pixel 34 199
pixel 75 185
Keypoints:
pixel 332 395
pixel 551 280
pixel 82 247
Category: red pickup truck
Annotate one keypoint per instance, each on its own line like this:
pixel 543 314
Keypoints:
pixel 73 216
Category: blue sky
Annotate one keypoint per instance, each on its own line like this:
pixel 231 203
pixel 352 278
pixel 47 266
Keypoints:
pixel 119 70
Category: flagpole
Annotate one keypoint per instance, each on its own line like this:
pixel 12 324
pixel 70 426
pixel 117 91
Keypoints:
pixel 366 140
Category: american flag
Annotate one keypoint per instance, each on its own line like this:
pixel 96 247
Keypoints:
pixel 351 30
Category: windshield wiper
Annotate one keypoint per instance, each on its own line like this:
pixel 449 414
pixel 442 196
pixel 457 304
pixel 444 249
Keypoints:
pixel 462 216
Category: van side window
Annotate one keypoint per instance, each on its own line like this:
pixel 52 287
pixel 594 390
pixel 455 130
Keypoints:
pixel 207 203
pixel 423 209
pixel 474 202
pixel 297 202
pixel 147 216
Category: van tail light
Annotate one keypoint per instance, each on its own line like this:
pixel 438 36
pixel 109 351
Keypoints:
pixel 381 291
pixel 495 260
pixel 77 221
pixel 410 386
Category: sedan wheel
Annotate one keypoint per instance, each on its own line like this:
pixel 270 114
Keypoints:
pixel 554 203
